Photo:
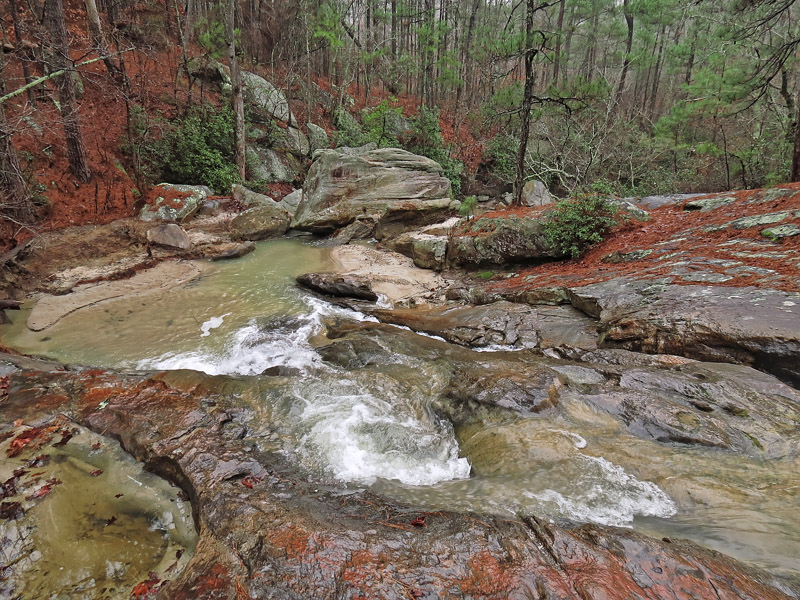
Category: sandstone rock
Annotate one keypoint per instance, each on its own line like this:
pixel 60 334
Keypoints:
pixel 169 235
pixel 297 142
pixel 249 198
pixel 265 164
pixel 427 251
pixel 332 284
pixel 313 543
pixel 174 202
pixel 260 223
pixel 535 193
pixel 291 201
pixel 207 69
pixel 498 241
pixel 781 231
pixel 318 137
pixel 363 228
pixel 740 325
pixel 709 203
pixel 346 183
pixel 232 250
pixel 500 324
pixel 266 97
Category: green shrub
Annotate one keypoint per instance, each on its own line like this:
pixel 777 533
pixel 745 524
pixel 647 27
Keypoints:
pixel 199 150
pixel 467 206
pixel 502 154
pixel 576 224
pixel 426 139
pixel 381 124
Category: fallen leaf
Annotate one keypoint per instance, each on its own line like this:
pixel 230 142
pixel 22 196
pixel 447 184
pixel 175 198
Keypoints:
pixel 419 521
pixel 111 521
pixel 11 510
pixel 96 446
pixel 118 495
pixel 96 473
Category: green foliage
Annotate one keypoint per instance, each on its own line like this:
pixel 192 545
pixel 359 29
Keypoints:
pixel 502 155
pixel 328 25
pixel 199 150
pixel 210 35
pixel 467 207
pixel 381 124
pixel 576 224
pixel 348 131
pixel 426 139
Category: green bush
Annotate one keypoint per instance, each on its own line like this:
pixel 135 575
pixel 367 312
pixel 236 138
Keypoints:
pixel 426 139
pixel 199 150
pixel 576 224
pixel 502 154
pixel 381 124
pixel 468 205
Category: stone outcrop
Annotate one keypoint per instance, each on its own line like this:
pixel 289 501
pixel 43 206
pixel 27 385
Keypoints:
pixel 266 98
pixel 344 184
pixel 741 325
pixel 169 235
pixel 266 531
pixel 331 284
pixel 266 164
pixel 261 223
pixel 499 241
pixel 535 193
pixel 174 202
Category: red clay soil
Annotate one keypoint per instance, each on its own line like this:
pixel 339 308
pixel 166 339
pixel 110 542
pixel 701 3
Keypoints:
pixel 674 230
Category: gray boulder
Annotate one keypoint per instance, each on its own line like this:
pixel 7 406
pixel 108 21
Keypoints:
pixel 264 164
pixel 174 202
pixel 334 284
pixel 426 250
pixel 169 235
pixel 498 241
pixel 260 223
pixel 250 198
pixel 535 193
pixel 266 97
pixel 291 201
pixel 212 71
pixel 343 185
pixel 318 137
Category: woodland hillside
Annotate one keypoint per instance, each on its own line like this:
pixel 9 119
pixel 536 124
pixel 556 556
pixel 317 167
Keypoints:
pixel 101 100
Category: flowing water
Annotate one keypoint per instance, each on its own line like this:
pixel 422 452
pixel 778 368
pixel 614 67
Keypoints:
pixel 376 424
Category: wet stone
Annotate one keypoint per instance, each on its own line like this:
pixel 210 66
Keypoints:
pixel 781 231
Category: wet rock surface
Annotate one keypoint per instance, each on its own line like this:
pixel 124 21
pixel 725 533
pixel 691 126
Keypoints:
pixel 265 531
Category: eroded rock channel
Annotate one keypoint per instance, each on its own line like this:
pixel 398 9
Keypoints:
pixel 329 455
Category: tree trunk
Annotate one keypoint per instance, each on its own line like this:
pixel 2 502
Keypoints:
pixel 628 46
pixel 76 152
pixel 15 199
pixel 19 30
pixel 98 39
pixel 527 102
pixel 237 103
pixel 428 49
pixel 559 33
pixel 796 153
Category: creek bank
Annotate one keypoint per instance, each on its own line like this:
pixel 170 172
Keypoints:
pixel 266 531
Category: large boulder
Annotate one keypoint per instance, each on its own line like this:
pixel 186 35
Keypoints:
pixel 344 184
pixel 291 201
pixel 212 71
pixel 426 250
pixel 249 198
pixel 535 193
pixel 266 97
pixel 260 223
pixel 169 235
pixel 174 202
pixel 499 240
pixel 265 164
pixel 317 137
pixel 742 325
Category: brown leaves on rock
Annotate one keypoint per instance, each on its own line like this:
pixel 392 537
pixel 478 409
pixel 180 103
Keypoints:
pixel 44 490
pixel 96 473
pixel 11 510
pixel 36 437
pixel 146 589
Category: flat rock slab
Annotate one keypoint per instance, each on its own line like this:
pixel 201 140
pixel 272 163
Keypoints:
pixel 51 309
pixel 391 275
pixel 741 325
pixel 267 532
pixel 501 324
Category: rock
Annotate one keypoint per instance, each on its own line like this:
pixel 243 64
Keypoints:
pixel 618 257
pixel 261 515
pixel 212 71
pixel 629 208
pixel 264 164
pixel 500 324
pixel 535 193
pixel 232 250
pixel 707 203
pixel 427 251
pixel 169 235
pixel 363 228
pixel 318 137
pixel 291 201
pixel 651 202
pixel 260 223
pixel 297 142
pixel 740 325
pixel 266 97
pixel 333 284
pixel 505 386
pixel 174 202
pixel 344 184
pixel 781 231
pixel 249 198
pixel 498 241
pixel 753 221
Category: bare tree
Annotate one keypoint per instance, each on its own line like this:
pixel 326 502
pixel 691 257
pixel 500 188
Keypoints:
pixel 237 103
pixel 76 152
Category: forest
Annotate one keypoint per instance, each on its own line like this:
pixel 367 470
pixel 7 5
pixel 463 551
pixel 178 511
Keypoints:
pixel 616 97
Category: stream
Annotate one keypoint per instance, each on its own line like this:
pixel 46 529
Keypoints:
pixel 378 423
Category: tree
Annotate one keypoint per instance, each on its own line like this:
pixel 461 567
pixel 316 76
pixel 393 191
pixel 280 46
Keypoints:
pixel 237 103
pixel 15 202
pixel 76 151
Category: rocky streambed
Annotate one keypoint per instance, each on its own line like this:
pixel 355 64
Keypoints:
pixel 326 454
